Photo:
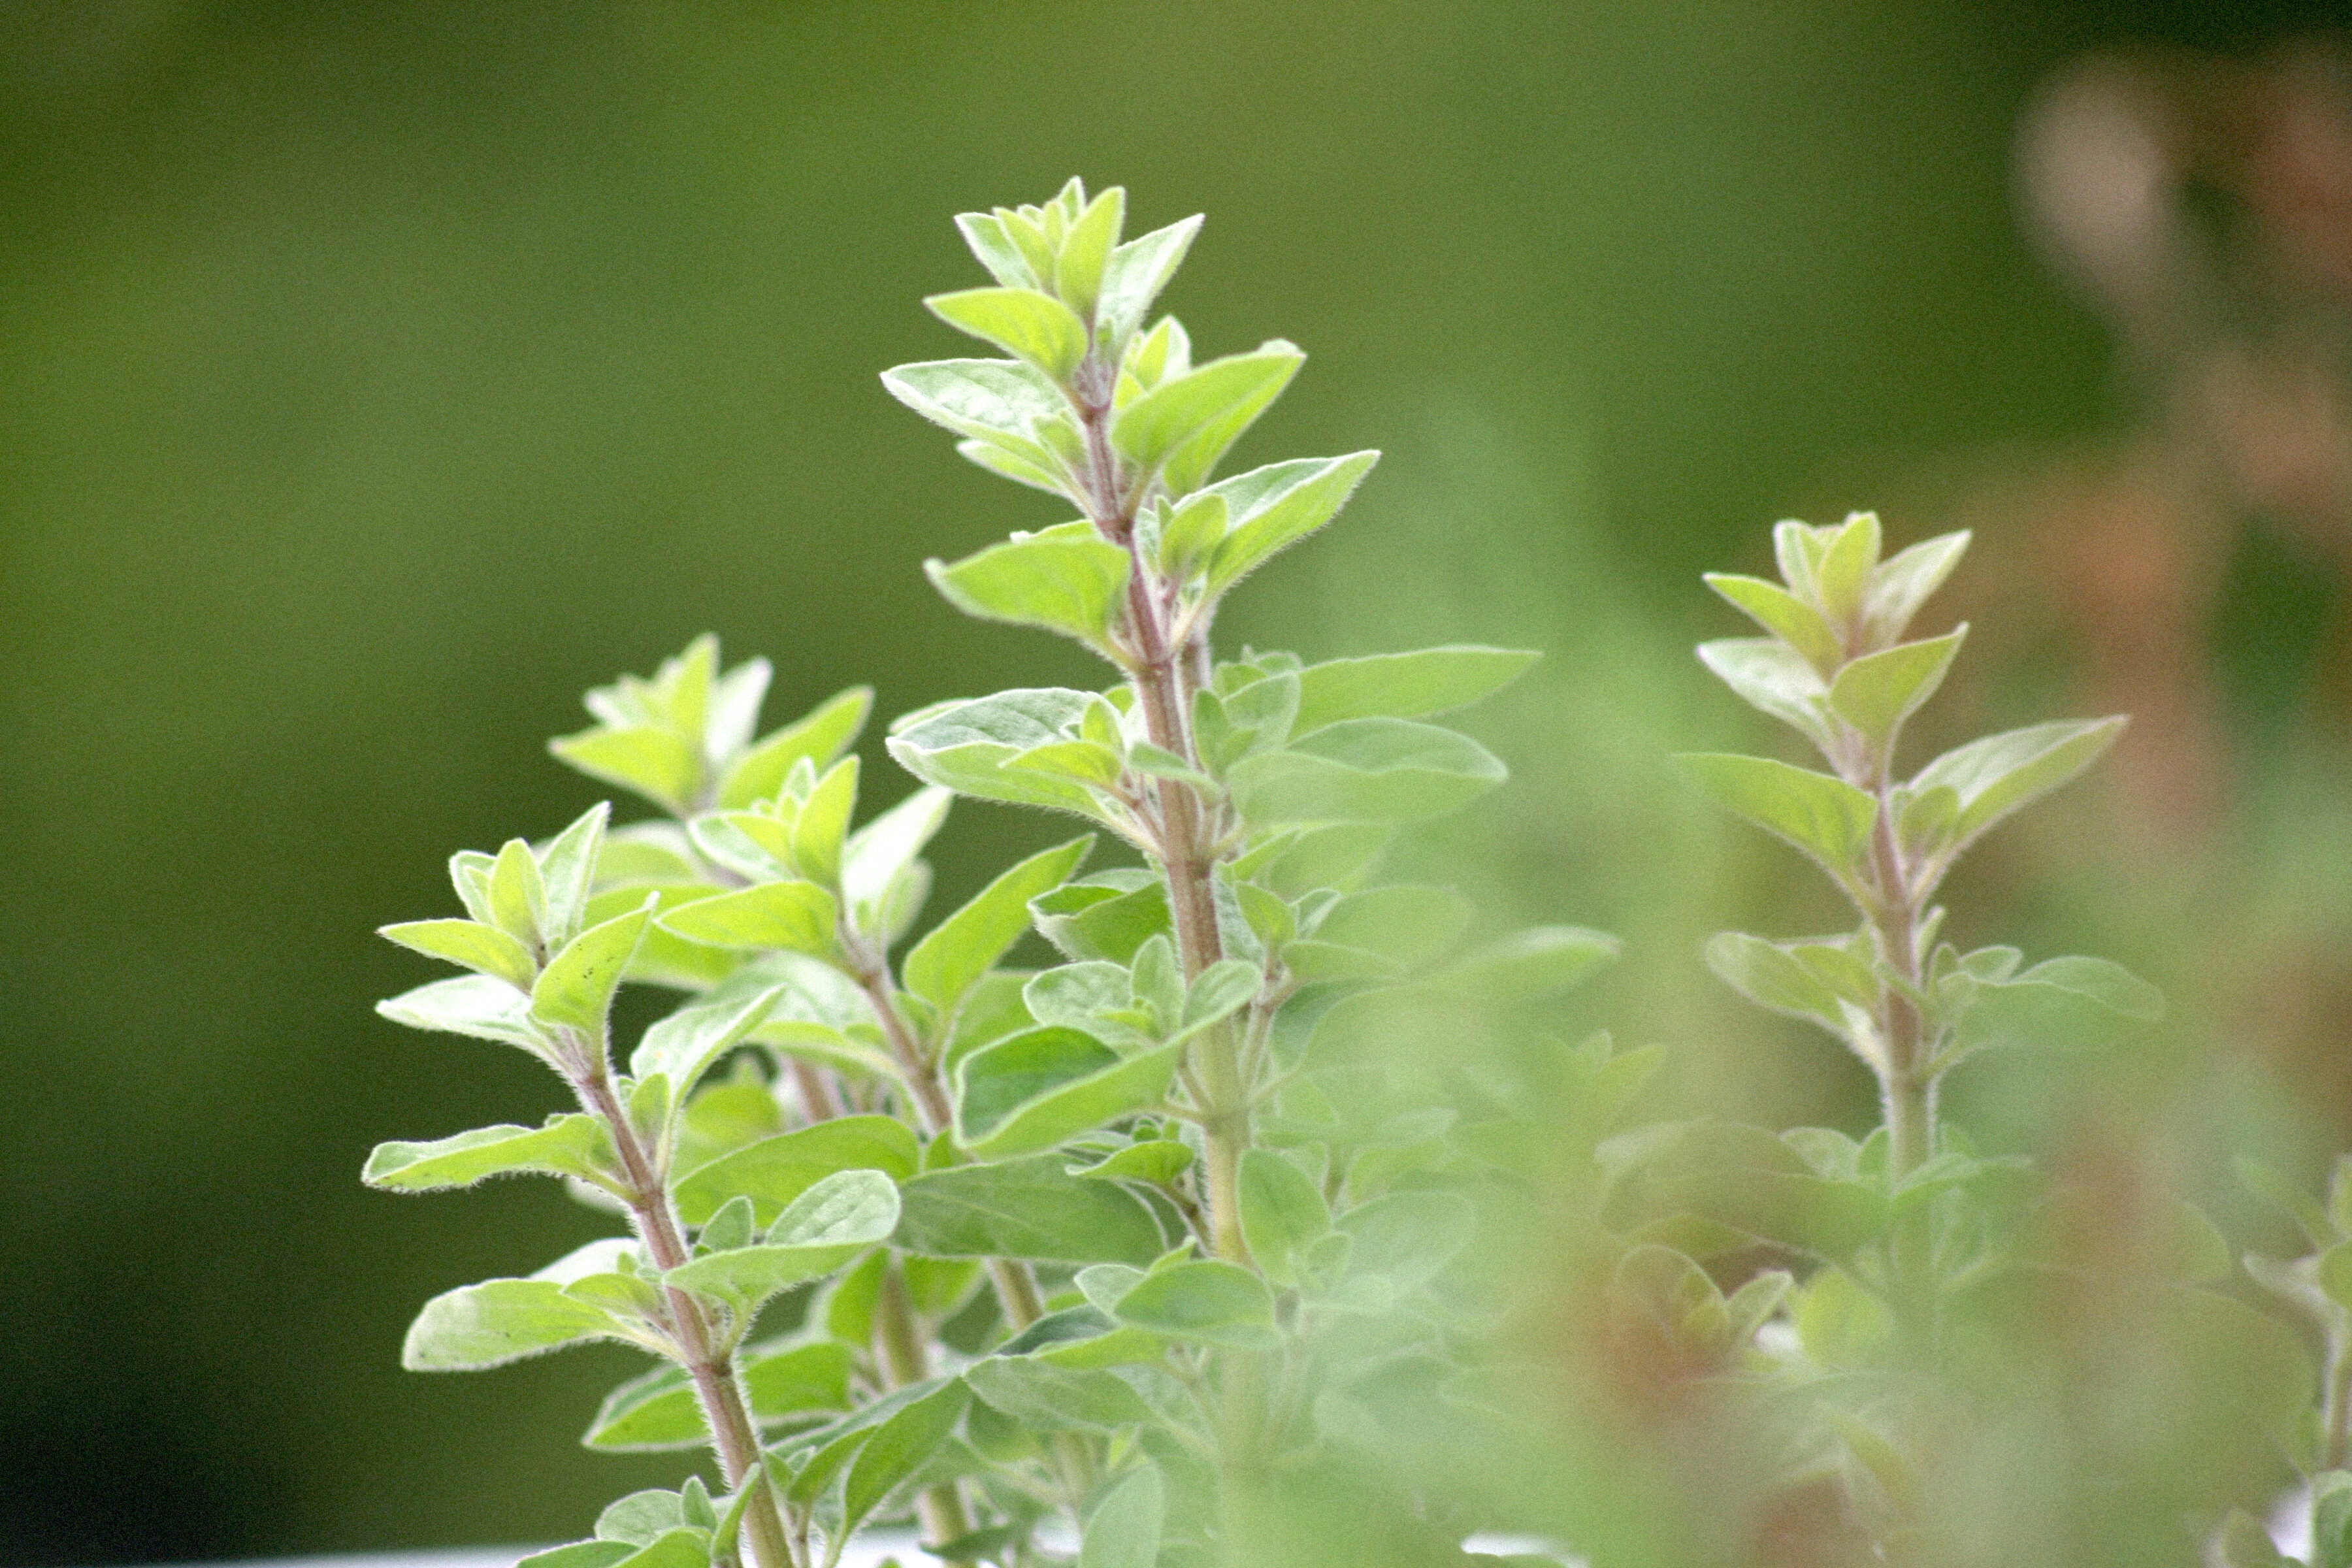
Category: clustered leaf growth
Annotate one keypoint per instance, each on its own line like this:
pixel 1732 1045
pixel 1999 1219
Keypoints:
pixel 1182 1250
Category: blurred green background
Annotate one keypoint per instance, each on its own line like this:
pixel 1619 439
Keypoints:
pixel 374 379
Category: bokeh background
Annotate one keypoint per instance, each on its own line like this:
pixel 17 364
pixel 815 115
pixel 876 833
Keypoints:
pixel 374 379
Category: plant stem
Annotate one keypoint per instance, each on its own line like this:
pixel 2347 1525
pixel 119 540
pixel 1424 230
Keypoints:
pixel 2335 1405
pixel 901 1341
pixel 733 1434
pixel 1908 1091
pixel 1162 673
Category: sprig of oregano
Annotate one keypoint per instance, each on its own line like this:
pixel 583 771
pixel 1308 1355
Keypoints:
pixel 1068 1246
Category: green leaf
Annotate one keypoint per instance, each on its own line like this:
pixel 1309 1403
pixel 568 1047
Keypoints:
pixel 1069 580
pixel 820 738
pixel 683 1046
pixel 1826 817
pixel 1770 976
pixel 824 1229
pixel 1876 692
pixel 1108 916
pixel 996 250
pixel 497 1322
pixel 1158 1161
pixel 1783 615
pixel 475 1004
pixel 577 985
pixel 822 829
pixel 1183 425
pixel 1408 1237
pixel 1136 274
pixel 965 747
pixel 898 1450
pixel 1024 323
pixel 2062 1001
pixel 1404 685
pixel 961 949
pixel 1275 506
pixel 658 1410
pixel 575 1144
pixel 1087 251
pixel 1840 1324
pixel 1531 963
pixel 1364 770
pixel 485 949
pixel 882 879
pixel 1902 584
pixel 1282 1214
pixel 567 870
pixel 1775 680
pixel 646 760
pixel 1044 1085
pixel 1208 1300
pixel 1049 1398
pixel 2331 1520
pixel 1026 1208
pixel 793 917
pixel 774 1172
pixel 998 402
pixel 519 895
pixel 580 1554
pixel 2002 772
pixel 1124 1530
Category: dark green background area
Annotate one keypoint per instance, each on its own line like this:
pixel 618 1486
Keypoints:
pixel 372 379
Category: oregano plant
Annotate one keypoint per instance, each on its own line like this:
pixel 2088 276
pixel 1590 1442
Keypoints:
pixel 1194 1196
pixel 1045 1259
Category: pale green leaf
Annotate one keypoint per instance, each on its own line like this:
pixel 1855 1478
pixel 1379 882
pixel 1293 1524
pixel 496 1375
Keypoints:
pixel 1826 817
pixel 1275 506
pixel 567 870
pixel 1136 273
pixel 485 949
pixel 1207 1301
pixel 1364 770
pixel 1183 425
pixel 1024 322
pixel 1026 1208
pixel 1073 581
pixel 1124 1530
pixel 1530 964
pixel 822 1229
pixel 996 250
pixel 646 760
pixel 965 747
pixel 1775 680
pixel 774 1172
pixel 577 985
pixel 1404 685
pixel 1044 1085
pixel 2001 774
pixel 996 401
pixel 898 1450
pixel 1282 1214
pixel 1876 692
pixel 961 949
pixel 1087 251
pixel 794 917
pixel 1903 584
pixel 1045 1397
pixel 683 1046
pixel 500 1321
pixel 1783 615
pixel 476 1004
pixel 575 1144
pixel 819 737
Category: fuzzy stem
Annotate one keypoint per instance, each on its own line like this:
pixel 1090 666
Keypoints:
pixel 2335 1405
pixel 1163 675
pixel 734 1436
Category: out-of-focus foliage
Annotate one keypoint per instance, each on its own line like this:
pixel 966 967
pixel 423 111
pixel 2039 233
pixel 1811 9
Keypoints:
pixel 376 376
